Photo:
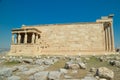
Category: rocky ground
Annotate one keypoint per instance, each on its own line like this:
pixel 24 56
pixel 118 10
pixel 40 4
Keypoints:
pixel 106 67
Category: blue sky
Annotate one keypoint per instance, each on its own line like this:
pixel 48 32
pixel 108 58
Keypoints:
pixel 14 13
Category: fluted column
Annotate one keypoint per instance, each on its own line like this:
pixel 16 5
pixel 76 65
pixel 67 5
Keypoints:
pixel 112 37
pixel 109 34
pixel 106 39
pixel 13 37
pixel 25 38
pixel 19 38
pixel 33 38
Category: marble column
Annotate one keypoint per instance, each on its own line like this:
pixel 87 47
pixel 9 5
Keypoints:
pixel 109 34
pixel 36 40
pixel 33 38
pixel 16 38
pixel 13 37
pixel 25 38
pixel 106 39
pixel 19 38
pixel 112 37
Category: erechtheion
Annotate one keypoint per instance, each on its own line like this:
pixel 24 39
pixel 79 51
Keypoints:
pixel 86 38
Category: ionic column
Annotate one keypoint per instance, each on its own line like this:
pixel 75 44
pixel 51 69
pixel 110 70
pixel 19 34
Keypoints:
pixel 112 37
pixel 13 39
pixel 36 41
pixel 108 42
pixel 19 38
pixel 25 38
pixel 109 33
pixel 33 38
pixel 106 39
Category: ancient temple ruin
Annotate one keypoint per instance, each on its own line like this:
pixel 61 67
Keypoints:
pixel 64 39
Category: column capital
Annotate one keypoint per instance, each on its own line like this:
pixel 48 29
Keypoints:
pixel 107 24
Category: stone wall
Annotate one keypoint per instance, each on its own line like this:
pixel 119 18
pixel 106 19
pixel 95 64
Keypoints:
pixel 81 37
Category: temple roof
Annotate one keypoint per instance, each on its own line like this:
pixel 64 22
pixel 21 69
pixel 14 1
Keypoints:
pixel 25 30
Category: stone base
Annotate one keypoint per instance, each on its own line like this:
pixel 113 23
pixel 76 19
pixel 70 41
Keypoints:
pixel 35 50
pixel 61 54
